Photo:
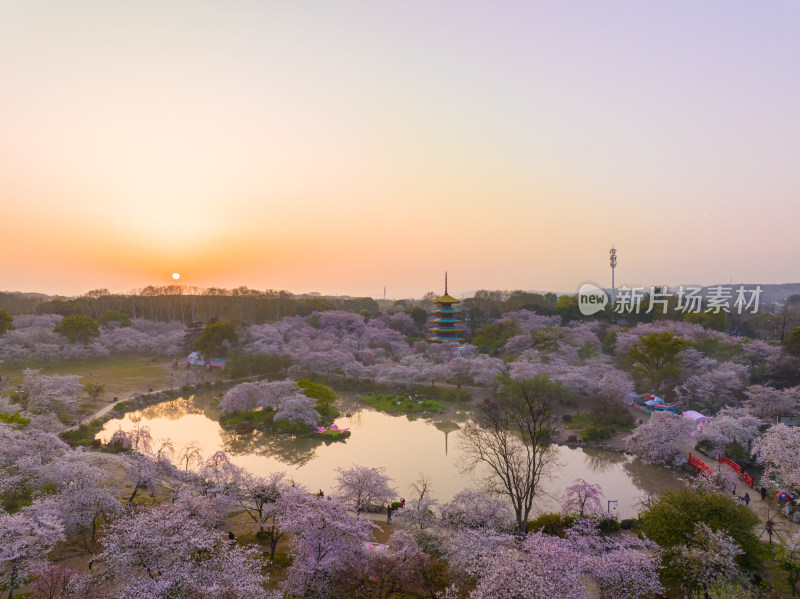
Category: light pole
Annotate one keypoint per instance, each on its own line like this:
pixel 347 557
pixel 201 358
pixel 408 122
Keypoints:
pixel 613 259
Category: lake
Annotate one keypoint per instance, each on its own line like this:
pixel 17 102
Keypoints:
pixel 407 448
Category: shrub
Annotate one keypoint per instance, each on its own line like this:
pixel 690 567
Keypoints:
pixel 609 524
pixel 186 389
pixel 119 406
pixel 554 524
pixel 567 418
pixel 572 439
pixel 597 433
pixel 628 524
pixel 704 446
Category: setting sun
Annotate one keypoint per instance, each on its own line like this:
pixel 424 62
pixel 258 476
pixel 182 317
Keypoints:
pixel 176 275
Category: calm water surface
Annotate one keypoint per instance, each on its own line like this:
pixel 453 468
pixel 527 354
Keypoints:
pixel 406 448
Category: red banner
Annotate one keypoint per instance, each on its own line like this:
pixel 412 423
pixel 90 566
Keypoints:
pixel 699 464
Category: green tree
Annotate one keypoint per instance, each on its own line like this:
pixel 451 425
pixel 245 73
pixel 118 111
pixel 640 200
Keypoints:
pixel 792 343
pixel 110 316
pixel 671 521
pixel 212 341
pixel 787 554
pixel 94 390
pixel 567 308
pixel 491 337
pixel 419 316
pixel 78 328
pixel 710 320
pixel 6 322
pixel 655 358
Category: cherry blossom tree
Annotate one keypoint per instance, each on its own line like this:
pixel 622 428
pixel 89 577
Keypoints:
pixel 708 557
pixel 220 476
pixel 626 573
pixel 545 567
pixel 138 439
pixel 25 457
pixel 476 509
pixel 266 500
pixel 82 497
pixel 615 385
pixel 483 369
pixel 419 517
pixel 284 397
pixel 768 402
pixel 731 425
pixel 394 569
pixel 710 390
pixel 362 486
pixel 53 393
pixel 25 539
pixel 190 454
pixel 659 439
pixel 777 451
pixel 326 542
pixel 54 582
pixel 141 472
pixel 164 552
pixel 582 498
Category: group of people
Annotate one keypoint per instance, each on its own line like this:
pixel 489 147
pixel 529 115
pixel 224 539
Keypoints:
pixel 389 508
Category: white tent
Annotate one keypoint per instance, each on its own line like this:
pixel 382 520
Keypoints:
pixel 696 416
pixel 698 419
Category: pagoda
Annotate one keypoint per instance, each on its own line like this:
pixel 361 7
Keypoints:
pixel 447 317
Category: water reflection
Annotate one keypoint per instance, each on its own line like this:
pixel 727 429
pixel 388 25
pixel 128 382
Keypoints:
pixel 641 475
pixel 601 460
pixel 172 410
pixel 406 448
pixel 284 448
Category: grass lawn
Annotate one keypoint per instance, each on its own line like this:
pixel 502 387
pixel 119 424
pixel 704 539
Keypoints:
pixel 401 404
pixel 122 376
pixel 579 422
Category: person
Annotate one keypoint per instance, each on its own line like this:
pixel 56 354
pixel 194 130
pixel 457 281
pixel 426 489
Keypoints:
pixel 763 493
pixel 231 538
pixel 747 498
pixel 402 503
pixel 320 494
pixel 389 512
pixel 734 488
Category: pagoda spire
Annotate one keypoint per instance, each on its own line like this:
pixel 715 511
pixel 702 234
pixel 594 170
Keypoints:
pixel 445 282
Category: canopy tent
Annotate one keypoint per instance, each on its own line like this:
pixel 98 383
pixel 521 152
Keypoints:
pixel 696 416
pixel 652 400
pixel 698 419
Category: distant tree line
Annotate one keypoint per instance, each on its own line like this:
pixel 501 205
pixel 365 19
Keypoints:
pixel 176 303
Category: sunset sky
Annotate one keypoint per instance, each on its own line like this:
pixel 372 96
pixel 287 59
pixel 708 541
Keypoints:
pixel 341 147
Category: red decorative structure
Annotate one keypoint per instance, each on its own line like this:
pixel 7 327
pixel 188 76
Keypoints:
pixel 745 477
pixel 700 464
pixel 730 463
